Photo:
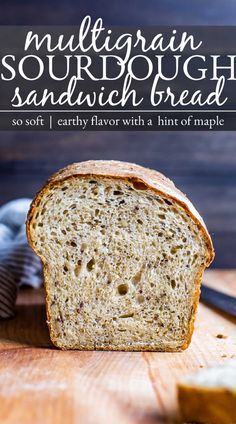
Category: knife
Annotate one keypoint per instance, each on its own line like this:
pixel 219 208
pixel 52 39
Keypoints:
pixel 222 301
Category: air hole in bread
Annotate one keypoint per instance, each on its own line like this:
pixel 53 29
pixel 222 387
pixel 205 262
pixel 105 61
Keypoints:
pixel 137 277
pixel 168 202
pixel 77 268
pixel 91 265
pixel 94 190
pixel 122 289
pixel 140 298
pixel 139 185
pixel 127 315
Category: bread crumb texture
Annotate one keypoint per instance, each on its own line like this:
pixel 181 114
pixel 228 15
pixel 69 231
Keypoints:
pixel 122 264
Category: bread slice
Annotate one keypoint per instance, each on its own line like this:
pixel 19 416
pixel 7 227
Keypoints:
pixel 123 253
pixel 209 396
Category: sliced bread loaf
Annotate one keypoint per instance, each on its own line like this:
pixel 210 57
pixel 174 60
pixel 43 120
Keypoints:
pixel 209 396
pixel 123 252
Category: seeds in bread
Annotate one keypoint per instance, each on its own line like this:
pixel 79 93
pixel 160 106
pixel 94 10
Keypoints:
pixel 123 253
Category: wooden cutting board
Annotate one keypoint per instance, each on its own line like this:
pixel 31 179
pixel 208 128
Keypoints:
pixel 40 384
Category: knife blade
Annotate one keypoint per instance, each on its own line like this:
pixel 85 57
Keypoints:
pixel 222 301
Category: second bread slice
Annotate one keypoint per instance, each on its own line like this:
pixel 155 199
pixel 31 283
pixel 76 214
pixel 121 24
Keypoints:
pixel 209 396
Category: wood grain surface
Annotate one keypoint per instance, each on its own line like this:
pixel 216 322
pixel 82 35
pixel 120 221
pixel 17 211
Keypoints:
pixel 42 385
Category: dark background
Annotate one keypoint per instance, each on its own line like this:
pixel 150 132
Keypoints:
pixel 202 164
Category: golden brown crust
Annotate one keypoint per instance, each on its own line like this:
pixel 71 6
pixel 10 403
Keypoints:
pixel 154 181
pixel 208 405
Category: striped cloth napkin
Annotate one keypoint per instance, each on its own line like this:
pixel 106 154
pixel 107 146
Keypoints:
pixel 18 264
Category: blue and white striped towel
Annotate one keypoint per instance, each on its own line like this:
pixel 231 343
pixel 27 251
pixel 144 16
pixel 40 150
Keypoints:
pixel 18 264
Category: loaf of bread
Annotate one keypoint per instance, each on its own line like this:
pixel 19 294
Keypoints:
pixel 209 396
pixel 123 252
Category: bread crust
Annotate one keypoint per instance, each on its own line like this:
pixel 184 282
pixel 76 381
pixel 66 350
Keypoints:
pixel 136 174
pixel 207 404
